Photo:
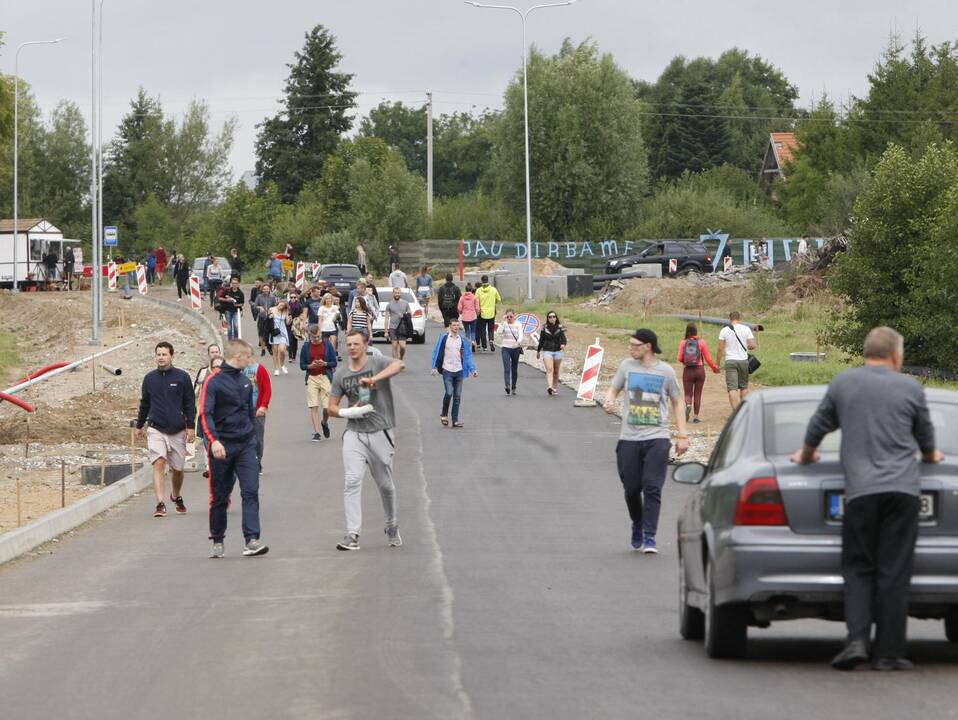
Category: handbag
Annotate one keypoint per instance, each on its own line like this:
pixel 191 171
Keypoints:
pixel 753 362
pixel 516 338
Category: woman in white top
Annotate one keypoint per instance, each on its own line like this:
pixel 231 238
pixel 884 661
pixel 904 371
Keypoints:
pixel 279 316
pixel 214 279
pixel 328 314
pixel 511 345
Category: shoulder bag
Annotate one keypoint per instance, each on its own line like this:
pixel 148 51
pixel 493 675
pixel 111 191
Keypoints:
pixel 753 362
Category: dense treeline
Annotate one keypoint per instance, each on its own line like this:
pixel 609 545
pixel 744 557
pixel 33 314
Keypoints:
pixel 611 156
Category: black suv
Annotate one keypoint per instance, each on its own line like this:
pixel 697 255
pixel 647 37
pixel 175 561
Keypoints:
pixel 344 277
pixel 689 256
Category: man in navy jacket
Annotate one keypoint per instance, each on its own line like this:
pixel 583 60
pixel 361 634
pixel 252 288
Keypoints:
pixel 168 404
pixel 318 360
pixel 228 414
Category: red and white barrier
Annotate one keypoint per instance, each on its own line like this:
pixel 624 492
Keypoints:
pixel 196 300
pixel 316 268
pixel 673 265
pixel 590 376
pixel 300 275
pixel 111 276
pixel 727 263
pixel 141 279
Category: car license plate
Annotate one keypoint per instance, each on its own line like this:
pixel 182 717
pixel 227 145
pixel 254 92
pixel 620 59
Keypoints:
pixel 835 506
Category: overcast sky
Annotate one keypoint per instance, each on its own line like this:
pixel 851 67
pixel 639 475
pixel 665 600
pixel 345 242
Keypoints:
pixel 233 53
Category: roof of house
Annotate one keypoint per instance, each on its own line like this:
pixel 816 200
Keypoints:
pixel 27 224
pixel 785 144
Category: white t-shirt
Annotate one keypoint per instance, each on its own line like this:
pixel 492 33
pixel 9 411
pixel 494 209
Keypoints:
pixel 733 348
pixel 327 317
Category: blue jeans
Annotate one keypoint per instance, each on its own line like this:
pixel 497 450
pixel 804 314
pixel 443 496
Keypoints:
pixel 510 365
pixel 453 384
pixel 232 325
pixel 470 327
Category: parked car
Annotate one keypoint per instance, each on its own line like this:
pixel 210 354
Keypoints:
pixel 344 277
pixel 385 294
pixel 690 256
pixel 200 263
pixel 759 540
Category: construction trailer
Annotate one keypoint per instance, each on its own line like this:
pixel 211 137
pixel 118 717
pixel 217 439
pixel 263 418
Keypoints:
pixel 36 237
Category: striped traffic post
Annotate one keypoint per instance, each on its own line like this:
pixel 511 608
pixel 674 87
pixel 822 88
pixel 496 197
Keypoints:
pixel 585 397
pixel 196 300
pixel 141 279
pixel 111 276
pixel 300 275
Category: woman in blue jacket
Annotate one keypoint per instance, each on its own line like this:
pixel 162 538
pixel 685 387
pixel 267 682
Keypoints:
pixel 452 358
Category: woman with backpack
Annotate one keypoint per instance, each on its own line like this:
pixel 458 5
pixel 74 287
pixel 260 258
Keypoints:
pixel 694 355
pixel 468 309
pixel 552 342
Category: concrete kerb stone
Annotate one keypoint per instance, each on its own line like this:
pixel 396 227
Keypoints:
pixel 21 541
pixel 42 530
pixel 210 332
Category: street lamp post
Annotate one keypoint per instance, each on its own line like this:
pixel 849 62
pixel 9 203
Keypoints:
pixel 16 143
pixel 523 14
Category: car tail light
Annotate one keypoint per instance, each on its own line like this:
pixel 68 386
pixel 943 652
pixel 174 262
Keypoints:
pixel 760 503
pixel 418 313
pixel 708 258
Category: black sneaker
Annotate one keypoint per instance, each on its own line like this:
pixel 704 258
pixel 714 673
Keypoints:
pixel 178 501
pixel 492 348
pixel 317 437
pixel 160 510
pixel 325 430
pixel 507 390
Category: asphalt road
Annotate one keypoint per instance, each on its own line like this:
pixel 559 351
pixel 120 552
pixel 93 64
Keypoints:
pixel 516 594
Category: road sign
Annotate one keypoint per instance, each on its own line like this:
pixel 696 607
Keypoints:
pixel 110 235
pixel 530 323
pixel 125 268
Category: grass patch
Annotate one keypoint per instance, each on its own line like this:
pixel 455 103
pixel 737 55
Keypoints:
pixel 8 356
pixel 785 332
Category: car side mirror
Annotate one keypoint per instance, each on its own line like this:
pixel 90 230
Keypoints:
pixel 691 473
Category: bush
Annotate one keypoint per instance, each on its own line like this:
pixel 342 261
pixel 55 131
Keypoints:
pixel 336 247
pixel 901 263
pixel 475 215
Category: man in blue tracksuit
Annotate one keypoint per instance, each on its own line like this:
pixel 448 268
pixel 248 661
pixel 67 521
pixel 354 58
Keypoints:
pixel 228 414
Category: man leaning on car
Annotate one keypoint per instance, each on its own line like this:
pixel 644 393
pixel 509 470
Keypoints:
pixel 885 423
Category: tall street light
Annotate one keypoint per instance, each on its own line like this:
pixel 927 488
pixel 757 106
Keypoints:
pixel 523 14
pixel 16 142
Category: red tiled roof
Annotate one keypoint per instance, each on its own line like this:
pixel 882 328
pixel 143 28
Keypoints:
pixel 785 146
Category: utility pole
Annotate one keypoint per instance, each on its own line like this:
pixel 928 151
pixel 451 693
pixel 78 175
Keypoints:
pixel 429 155
pixel 94 218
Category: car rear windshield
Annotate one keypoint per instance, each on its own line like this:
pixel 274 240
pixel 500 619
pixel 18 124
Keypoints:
pixel 386 295
pixel 785 425
pixel 349 273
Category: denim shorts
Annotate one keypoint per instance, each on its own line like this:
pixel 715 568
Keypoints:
pixel 554 354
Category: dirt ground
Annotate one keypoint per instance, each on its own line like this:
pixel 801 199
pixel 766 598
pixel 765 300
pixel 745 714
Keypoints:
pixel 83 414
pixel 543 266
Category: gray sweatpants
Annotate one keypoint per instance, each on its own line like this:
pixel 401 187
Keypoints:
pixel 375 451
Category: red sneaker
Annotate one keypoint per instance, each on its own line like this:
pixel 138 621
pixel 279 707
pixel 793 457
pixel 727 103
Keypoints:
pixel 180 505
pixel 160 510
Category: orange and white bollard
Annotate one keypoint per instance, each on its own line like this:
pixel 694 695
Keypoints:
pixel 589 380
pixel 141 279
pixel 300 275
pixel 196 300
pixel 727 263
pixel 316 267
pixel 111 276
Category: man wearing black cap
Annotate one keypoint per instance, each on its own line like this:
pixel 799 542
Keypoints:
pixel 642 452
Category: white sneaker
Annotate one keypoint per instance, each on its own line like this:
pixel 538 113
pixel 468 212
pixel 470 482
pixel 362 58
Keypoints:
pixel 275 372
pixel 285 370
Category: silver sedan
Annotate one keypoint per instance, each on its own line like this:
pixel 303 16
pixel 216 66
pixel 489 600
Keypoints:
pixel 760 538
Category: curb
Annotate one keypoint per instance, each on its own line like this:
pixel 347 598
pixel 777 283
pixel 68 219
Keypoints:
pixel 22 540
pixel 203 323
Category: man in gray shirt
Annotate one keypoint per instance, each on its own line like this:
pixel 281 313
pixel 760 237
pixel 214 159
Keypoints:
pixel 367 442
pixel 395 309
pixel 885 423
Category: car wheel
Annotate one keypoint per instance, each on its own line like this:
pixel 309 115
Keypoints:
pixel 951 625
pixel 688 269
pixel 691 619
pixel 726 626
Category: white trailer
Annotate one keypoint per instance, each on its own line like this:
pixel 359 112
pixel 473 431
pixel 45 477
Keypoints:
pixel 35 236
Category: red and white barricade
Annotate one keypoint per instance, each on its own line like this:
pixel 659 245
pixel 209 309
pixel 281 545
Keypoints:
pixel 111 276
pixel 141 279
pixel 300 275
pixel 196 300
pixel 590 376
pixel 727 263
pixel 673 266
pixel 316 268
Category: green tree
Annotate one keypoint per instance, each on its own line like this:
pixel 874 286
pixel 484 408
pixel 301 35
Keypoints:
pixel 63 161
pixel 462 152
pixel 703 113
pixel 588 162
pixel 402 128
pixel 6 104
pixel 900 265
pixel 292 146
